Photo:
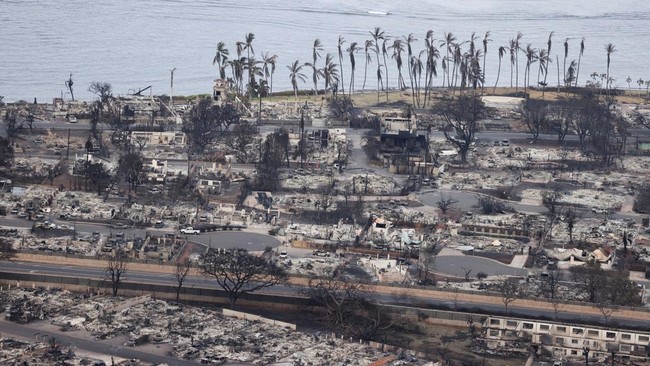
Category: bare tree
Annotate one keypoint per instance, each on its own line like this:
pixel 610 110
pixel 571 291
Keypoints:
pixel 607 310
pixel 590 279
pixel 557 305
pixel 468 272
pixel 570 218
pixel 242 139
pixel 6 152
pixel 345 304
pixel 446 203
pixel 534 113
pixel 509 290
pixel 181 270
pixel 7 250
pixel 102 89
pixel 116 267
pixel 238 272
pixel 551 282
pixel 461 116
pixel 427 262
pixel 490 205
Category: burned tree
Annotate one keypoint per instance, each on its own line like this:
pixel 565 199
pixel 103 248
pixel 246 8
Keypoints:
pixel 509 290
pixel 273 152
pixel 206 122
pixel 551 282
pixel 446 203
pixel 116 267
pixel 7 250
pixel 242 139
pixel 461 116
pixel 346 305
pixel 534 113
pixel 238 272
pixel 591 279
pixel 6 152
pixel 181 270
pixel 490 205
pixel 102 89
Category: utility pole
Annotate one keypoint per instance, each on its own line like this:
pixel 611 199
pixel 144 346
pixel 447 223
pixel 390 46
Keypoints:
pixel 171 89
pixel 67 153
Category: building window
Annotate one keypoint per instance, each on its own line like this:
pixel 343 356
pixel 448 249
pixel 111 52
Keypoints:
pixel 559 340
pixel 578 330
pixel 593 333
pixel 574 352
pixel 528 325
pixel 544 327
pixel 610 335
pixel 626 337
pixel 574 341
pixel 494 333
pixel 625 348
pixel 495 322
pixel 511 324
pixel 560 329
pixel 644 338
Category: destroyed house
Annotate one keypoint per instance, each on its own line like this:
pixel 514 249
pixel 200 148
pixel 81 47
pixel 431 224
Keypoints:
pixel 403 140
pixel 565 340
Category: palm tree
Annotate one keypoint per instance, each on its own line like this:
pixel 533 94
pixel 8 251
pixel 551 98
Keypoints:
pixel 398 48
pixel 566 54
pixel 431 65
pixel 220 58
pixel 368 47
pixel 570 75
pixel 640 83
pixel 531 57
pixel 384 52
pixel 354 48
pixel 248 46
pixel 237 67
pixel 549 43
pixel 416 71
pixel 513 50
pixel 295 74
pixel 517 48
pixel 582 50
pixel 502 52
pixel 486 40
pixel 409 50
pixel 254 69
pixel 609 48
pixel 315 56
pixel 268 67
pixel 544 60
pixel 378 34
pixel 629 82
pixel 447 42
pixel 330 72
pixel 340 49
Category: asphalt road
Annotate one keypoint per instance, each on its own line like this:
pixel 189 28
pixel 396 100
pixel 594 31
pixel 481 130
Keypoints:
pixel 69 339
pixel 456 264
pixel 216 239
pixel 419 301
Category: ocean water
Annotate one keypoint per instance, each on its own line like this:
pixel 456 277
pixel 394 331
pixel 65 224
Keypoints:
pixel 134 43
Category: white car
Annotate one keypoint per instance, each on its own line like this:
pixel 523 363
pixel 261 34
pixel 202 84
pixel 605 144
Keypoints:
pixel 190 230
pixel 72 119
pixel 283 254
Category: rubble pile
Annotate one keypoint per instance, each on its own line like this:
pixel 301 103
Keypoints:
pixel 310 178
pixel 194 333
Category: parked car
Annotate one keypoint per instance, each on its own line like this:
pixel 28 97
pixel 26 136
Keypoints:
pixel 190 230
pixel 72 118
pixel 159 224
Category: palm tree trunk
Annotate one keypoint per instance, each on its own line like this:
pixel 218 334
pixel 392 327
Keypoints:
pixel 578 70
pixel 557 61
pixel 498 74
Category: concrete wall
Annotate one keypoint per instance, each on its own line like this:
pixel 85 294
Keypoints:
pixel 246 316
